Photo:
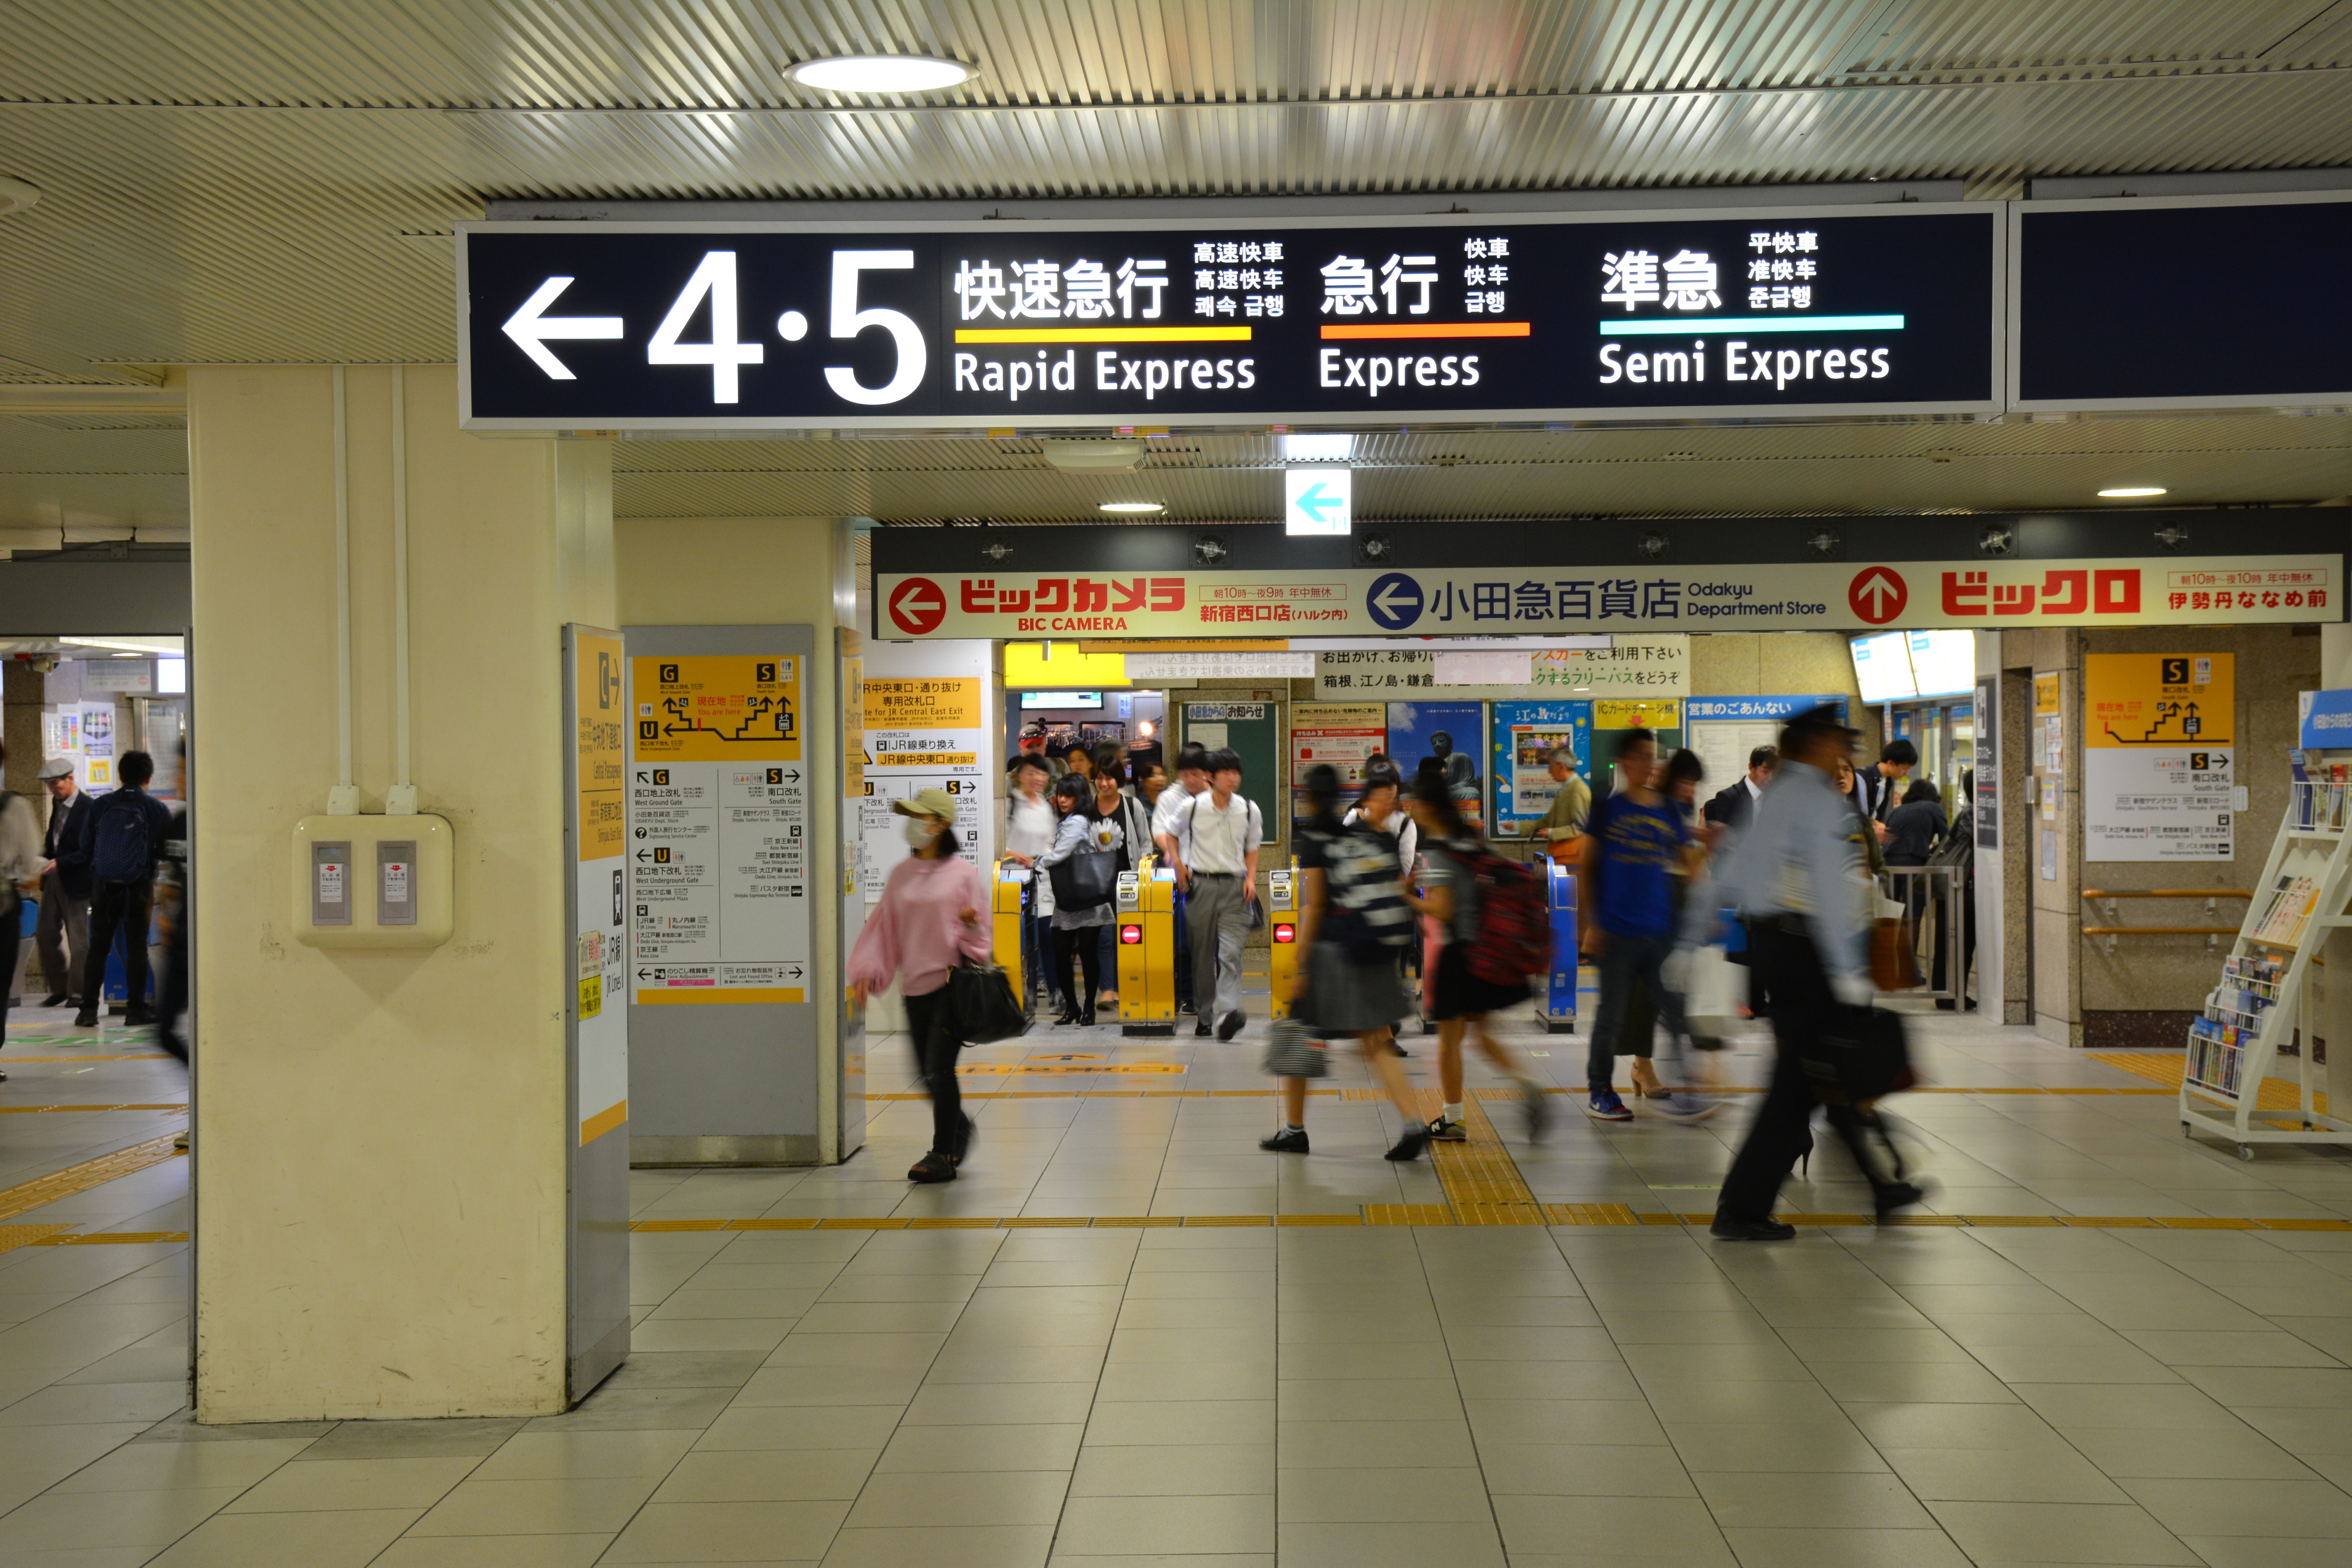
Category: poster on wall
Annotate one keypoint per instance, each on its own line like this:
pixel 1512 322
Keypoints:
pixel 1422 730
pixel 1629 667
pixel 921 732
pixel 1525 736
pixel 1344 736
pixel 1988 764
pixel 98 746
pixel 2160 756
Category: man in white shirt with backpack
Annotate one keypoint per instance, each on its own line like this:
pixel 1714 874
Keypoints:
pixel 1213 840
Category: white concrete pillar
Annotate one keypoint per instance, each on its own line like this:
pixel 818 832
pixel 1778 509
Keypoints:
pixel 381 1137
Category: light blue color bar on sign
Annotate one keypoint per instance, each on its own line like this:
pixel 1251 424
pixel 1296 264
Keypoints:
pixel 1717 326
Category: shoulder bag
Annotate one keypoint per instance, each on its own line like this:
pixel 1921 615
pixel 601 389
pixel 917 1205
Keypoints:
pixel 982 1005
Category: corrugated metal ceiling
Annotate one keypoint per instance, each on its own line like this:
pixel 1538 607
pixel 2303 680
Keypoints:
pixel 259 180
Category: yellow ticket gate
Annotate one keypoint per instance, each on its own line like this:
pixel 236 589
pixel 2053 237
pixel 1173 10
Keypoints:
pixel 1146 936
pixel 1008 924
pixel 1282 891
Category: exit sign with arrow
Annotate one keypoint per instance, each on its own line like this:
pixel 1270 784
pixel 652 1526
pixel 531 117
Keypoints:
pixel 1318 500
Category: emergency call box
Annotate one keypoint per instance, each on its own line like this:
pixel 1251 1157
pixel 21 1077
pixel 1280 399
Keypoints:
pixel 374 881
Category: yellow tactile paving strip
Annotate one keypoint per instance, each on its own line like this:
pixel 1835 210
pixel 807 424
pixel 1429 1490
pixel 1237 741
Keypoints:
pixel 1420 1214
pixel 2277 1094
pixel 1126 1093
pixel 81 1178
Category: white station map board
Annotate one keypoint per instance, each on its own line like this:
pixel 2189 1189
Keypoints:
pixel 2159 752
pixel 719 814
pixel 921 732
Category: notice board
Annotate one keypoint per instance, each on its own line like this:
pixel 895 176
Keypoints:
pixel 2160 756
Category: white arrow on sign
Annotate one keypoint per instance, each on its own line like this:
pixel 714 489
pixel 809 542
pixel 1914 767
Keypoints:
pixel 531 330
pixel 1878 588
pixel 1394 600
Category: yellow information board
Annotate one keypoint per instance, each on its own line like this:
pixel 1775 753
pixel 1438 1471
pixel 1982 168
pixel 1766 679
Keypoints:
pixel 718 707
pixel 2166 699
pixel 1652 713
pixel 931 703
pixel 603 715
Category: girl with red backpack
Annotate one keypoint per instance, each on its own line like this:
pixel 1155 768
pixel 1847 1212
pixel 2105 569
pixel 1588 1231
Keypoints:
pixel 1464 877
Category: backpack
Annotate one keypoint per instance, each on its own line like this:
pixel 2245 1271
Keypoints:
pixel 1364 911
pixel 1959 845
pixel 120 849
pixel 1514 942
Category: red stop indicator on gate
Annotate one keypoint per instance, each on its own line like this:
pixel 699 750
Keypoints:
pixel 916 606
pixel 1877 596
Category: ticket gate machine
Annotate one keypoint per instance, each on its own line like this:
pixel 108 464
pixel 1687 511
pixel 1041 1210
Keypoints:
pixel 1558 1004
pixel 1282 890
pixel 1146 908
pixel 1009 927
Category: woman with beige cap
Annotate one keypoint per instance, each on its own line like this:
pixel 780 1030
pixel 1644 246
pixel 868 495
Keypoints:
pixel 928 921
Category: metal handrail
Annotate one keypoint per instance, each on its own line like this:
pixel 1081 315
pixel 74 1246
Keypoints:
pixel 2169 893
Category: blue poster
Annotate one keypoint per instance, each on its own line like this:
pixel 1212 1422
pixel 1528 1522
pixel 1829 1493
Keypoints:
pixel 1418 730
pixel 1525 736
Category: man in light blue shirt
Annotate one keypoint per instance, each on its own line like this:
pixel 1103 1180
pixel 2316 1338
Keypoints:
pixel 1798 876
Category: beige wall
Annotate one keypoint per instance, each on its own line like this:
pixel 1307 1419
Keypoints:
pixel 764 570
pixel 1736 664
pixel 381 1136
pixel 2173 972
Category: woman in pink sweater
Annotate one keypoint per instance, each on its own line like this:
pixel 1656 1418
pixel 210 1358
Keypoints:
pixel 929 919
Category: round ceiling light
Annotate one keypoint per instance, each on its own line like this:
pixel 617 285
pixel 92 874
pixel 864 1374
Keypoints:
pixel 1130 506
pixel 881 73
pixel 2131 492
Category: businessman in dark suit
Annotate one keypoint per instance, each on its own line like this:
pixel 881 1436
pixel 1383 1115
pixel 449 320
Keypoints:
pixel 61 935
pixel 1735 807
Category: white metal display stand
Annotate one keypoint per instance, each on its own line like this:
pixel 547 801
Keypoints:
pixel 2222 1083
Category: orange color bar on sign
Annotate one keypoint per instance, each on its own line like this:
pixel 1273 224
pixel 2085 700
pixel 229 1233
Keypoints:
pixel 1430 330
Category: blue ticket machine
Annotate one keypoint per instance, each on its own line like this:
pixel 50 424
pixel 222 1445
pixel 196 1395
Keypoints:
pixel 1558 1011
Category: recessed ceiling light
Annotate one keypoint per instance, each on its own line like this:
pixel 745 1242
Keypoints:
pixel 1130 506
pixel 2131 492
pixel 1318 449
pixel 881 73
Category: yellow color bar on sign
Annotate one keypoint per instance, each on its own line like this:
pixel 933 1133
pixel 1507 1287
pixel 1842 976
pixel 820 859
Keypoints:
pixel 1102 334
pixel 1026 668
pixel 707 996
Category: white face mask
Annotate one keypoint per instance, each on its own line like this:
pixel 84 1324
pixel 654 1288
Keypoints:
pixel 921 830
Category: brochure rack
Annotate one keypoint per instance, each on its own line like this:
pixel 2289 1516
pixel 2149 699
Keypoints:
pixel 2258 1005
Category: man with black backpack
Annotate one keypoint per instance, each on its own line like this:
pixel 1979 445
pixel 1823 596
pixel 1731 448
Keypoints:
pixel 122 838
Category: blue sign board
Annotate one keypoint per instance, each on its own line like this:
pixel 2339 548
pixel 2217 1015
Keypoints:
pixel 1525 735
pixel 1700 709
pixel 2328 721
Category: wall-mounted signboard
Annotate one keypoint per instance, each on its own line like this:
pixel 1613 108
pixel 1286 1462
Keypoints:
pixel 766 325
pixel 1989 594
pixel 2180 302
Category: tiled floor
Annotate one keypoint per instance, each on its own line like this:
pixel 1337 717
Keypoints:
pixel 1215 1396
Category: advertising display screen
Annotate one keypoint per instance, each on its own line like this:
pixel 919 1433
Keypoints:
pixel 2116 303
pixel 1881 668
pixel 1032 700
pixel 751 325
pixel 1943 664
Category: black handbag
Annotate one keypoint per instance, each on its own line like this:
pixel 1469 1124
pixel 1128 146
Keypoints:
pixel 1862 1055
pixel 1086 880
pixel 982 1005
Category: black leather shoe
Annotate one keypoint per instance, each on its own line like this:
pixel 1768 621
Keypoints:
pixel 933 1167
pixel 85 1020
pixel 1289 1141
pixel 1066 1018
pixel 1726 1228
pixel 1899 1195
pixel 1409 1147
pixel 138 1018
pixel 57 1001
pixel 1201 1029
pixel 1231 1025
pixel 1087 1018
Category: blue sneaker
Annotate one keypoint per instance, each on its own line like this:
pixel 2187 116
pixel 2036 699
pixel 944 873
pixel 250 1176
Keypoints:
pixel 1607 1107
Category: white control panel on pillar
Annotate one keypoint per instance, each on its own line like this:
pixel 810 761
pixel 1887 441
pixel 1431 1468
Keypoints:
pixel 374 881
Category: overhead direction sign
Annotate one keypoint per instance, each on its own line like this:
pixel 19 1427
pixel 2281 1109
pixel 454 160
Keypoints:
pixel 773 325
pixel 1318 500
